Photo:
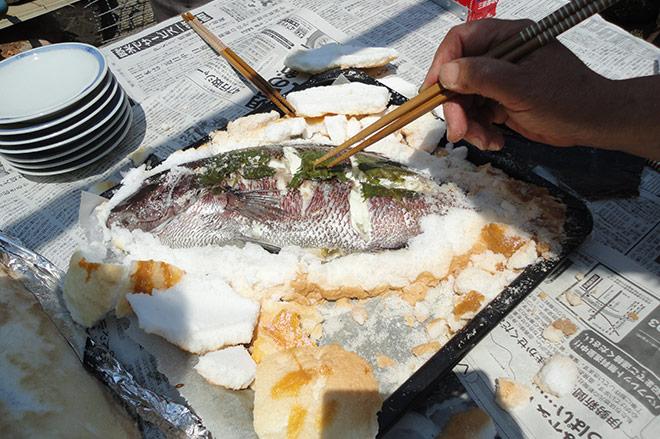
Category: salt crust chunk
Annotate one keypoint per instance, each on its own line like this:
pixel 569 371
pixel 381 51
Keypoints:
pixel 573 298
pixel 336 127
pixel 489 261
pixel 424 133
pixel 557 376
pixel 251 122
pixel 406 88
pixel 353 98
pixel 199 314
pixel 511 395
pixel 230 367
pixel 333 55
pixel 91 290
pixel 310 392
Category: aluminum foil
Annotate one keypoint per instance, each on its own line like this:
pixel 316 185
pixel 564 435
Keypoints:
pixel 43 279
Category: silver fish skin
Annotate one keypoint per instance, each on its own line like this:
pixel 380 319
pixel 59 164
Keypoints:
pixel 273 196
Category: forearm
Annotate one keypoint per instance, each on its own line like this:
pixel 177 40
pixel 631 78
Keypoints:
pixel 629 117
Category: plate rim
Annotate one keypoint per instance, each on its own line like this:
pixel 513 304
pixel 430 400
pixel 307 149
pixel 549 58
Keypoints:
pixel 121 137
pixel 111 114
pixel 52 122
pixel 103 64
pixel 122 117
pixel 63 131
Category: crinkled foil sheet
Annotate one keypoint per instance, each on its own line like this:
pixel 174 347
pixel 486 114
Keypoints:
pixel 158 415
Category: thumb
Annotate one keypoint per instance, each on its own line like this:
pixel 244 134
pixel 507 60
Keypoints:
pixel 492 78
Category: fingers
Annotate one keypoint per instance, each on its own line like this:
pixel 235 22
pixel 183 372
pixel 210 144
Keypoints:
pixel 466 120
pixel 491 78
pixel 456 119
pixel 471 39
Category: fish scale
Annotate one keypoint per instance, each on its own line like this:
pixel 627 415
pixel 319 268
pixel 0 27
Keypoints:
pixel 212 202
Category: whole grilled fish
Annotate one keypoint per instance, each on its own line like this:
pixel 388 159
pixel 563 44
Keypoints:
pixel 273 195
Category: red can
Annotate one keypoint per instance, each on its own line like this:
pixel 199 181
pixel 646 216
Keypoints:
pixel 478 9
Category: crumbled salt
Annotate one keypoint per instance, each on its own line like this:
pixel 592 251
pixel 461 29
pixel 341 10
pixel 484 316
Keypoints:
pixel 481 281
pixel 524 256
pixel 573 298
pixel 553 334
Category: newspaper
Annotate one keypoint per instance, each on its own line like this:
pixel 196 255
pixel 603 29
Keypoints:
pixel 181 91
pixel 616 275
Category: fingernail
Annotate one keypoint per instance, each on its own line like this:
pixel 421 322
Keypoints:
pixel 448 74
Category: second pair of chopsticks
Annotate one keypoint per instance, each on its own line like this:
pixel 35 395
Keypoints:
pixel 512 49
pixel 239 64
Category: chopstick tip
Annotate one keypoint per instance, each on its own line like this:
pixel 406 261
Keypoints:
pixel 187 16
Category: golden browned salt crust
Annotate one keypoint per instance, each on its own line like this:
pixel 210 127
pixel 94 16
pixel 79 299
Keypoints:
pixel 469 303
pixel 146 276
pixel 426 348
pixel 410 320
pixel 285 325
pixel 92 289
pixel 510 394
pixel 314 392
pixel 383 361
pixel 566 326
pixel 306 292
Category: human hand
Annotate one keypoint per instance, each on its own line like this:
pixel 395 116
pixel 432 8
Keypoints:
pixel 550 96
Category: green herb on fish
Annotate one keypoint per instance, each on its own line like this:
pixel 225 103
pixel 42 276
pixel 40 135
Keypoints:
pixel 372 190
pixel 308 171
pixel 251 164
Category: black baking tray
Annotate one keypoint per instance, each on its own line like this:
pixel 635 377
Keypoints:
pixel 577 227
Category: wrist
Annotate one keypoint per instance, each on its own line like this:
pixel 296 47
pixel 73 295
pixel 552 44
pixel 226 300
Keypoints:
pixel 627 116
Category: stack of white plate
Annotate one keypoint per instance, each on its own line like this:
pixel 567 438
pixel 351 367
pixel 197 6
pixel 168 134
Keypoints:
pixel 61 109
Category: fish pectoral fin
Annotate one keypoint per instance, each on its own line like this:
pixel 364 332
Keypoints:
pixel 256 205
pixel 271 248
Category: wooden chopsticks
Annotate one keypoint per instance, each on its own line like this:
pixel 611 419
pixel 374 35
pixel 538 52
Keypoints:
pixel 512 49
pixel 239 64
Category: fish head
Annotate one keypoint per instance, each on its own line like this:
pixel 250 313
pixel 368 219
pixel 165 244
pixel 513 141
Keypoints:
pixel 159 199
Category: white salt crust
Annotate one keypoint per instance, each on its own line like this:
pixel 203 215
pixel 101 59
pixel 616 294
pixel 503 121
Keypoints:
pixel 198 314
pixel 351 98
pixel 230 367
pixel 333 55
pixel 557 376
